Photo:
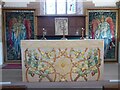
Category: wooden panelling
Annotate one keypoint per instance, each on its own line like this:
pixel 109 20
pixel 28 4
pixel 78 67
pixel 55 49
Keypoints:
pixel 48 22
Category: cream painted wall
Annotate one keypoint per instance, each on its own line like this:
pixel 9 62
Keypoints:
pixel 23 3
pixel 119 53
pixel 18 0
pixel 0 24
pixel 17 3
pixel 110 3
pixel 1 55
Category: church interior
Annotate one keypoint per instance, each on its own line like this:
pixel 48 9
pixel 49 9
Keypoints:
pixel 59 44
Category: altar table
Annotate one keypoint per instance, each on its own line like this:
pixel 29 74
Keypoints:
pixel 62 60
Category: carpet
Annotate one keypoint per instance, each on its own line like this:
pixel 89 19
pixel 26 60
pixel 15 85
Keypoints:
pixel 12 66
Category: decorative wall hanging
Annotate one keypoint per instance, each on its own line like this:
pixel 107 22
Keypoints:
pixel 103 24
pixel 18 25
pixel 61 26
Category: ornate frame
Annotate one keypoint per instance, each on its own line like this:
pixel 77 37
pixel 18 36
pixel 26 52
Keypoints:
pixel 93 31
pixel 61 26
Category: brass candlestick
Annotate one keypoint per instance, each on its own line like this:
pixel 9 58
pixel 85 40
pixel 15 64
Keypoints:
pixel 63 38
pixel 82 33
pixel 44 34
pixel 63 29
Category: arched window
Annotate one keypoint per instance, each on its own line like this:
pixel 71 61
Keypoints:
pixel 63 7
pixel 50 7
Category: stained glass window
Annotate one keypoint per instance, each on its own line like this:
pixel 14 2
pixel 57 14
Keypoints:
pixel 71 6
pixel 50 6
pixel 63 7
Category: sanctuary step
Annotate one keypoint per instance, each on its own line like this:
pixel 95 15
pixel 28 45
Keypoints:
pixel 115 86
pixel 13 87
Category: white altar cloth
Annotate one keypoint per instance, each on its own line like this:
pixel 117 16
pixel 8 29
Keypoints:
pixel 62 60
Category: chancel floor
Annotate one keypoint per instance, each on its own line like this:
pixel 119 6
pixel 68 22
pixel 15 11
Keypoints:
pixel 110 73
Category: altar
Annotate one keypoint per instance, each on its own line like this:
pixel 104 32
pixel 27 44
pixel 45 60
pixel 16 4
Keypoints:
pixel 62 60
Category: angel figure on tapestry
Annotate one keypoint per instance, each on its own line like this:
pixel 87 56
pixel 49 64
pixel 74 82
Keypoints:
pixel 19 29
pixel 103 28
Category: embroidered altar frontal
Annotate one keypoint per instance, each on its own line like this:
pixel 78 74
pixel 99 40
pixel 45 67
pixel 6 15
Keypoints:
pixel 62 60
